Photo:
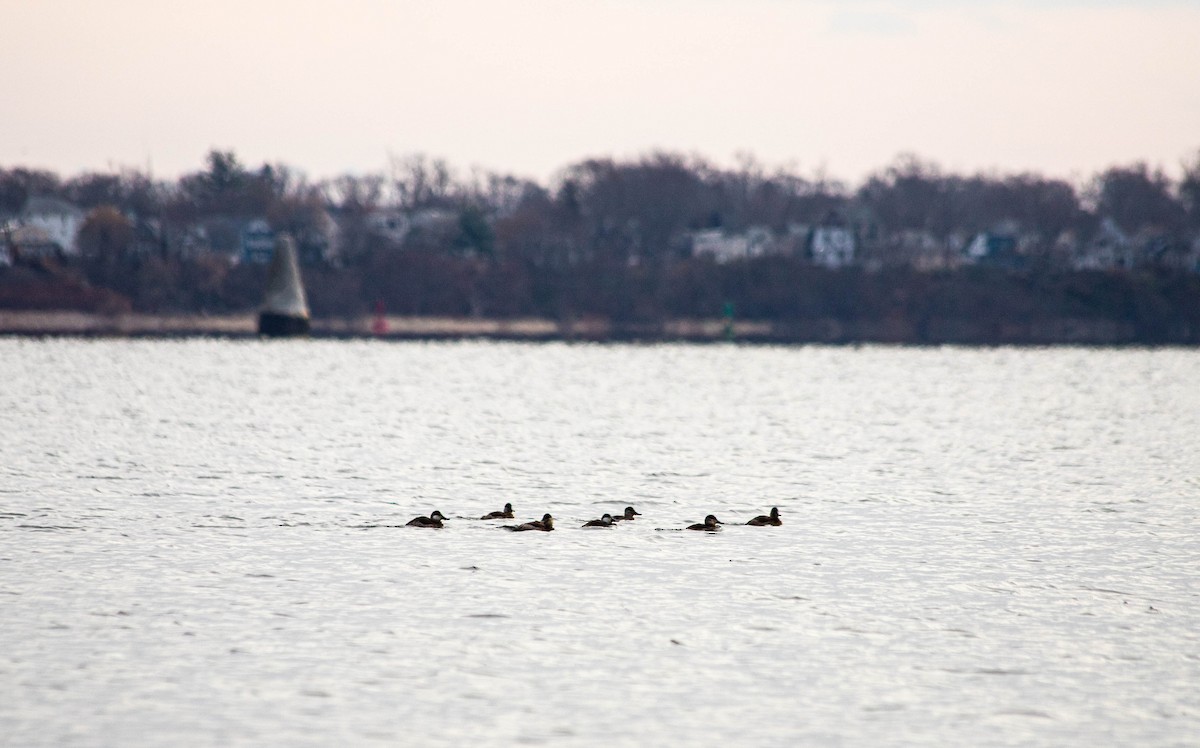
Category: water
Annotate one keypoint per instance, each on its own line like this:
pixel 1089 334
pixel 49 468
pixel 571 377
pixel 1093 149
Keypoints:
pixel 201 544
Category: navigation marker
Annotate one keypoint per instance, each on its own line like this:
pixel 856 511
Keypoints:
pixel 285 309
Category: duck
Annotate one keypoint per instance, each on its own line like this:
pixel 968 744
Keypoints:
pixel 628 515
pixel 710 523
pixel 605 521
pixel 433 520
pixel 545 524
pixel 506 513
pixel 763 519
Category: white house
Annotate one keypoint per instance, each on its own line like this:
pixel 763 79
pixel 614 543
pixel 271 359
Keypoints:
pixel 433 219
pixel 392 225
pixel 1109 248
pixel 988 246
pixel 723 247
pixel 319 240
pixel 58 219
pixel 832 246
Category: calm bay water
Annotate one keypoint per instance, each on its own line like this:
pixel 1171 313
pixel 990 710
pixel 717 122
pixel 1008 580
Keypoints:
pixel 201 543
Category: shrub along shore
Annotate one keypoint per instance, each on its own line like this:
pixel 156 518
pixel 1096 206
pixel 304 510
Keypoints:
pixel 936 331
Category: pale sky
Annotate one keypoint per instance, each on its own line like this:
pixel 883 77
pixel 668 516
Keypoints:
pixel 1062 87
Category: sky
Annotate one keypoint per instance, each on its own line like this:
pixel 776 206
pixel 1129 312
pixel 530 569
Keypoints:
pixel 1065 88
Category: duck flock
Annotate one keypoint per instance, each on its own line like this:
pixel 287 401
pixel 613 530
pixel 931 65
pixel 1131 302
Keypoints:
pixel 437 520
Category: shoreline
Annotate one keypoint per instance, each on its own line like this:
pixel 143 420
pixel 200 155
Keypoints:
pixel 133 325
pixel 952 331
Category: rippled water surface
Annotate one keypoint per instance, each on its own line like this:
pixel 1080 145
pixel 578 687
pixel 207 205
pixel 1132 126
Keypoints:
pixel 202 543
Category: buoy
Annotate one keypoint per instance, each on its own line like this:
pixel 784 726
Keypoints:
pixel 727 313
pixel 285 309
pixel 379 325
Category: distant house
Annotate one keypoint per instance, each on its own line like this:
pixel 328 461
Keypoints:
pixel 219 235
pixel 392 225
pixel 1160 249
pixel 994 248
pixel 832 246
pixel 256 242
pixel 723 247
pixel 433 219
pixel 318 239
pixel 1155 248
pixel 1065 248
pixel 23 243
pixel 56 219
pixel 1109 248
pixel 426 228
pixel 831 242
pixel 432 228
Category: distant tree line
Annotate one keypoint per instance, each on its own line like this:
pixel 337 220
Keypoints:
pixel 615 239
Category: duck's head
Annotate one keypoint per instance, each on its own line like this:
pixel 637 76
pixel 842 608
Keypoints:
pixel 508 507
pixel 548 521
pixel 607 519
pixel 712 521
pixel 774 512
pixel 630 513
pixel 437 515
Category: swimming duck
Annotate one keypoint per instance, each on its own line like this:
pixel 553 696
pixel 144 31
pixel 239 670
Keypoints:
pixel 605 521
pixel 710 524
pixel 629 514
pixel 433 520
pixel 763 519
pixel 506 514
pixel 545 524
